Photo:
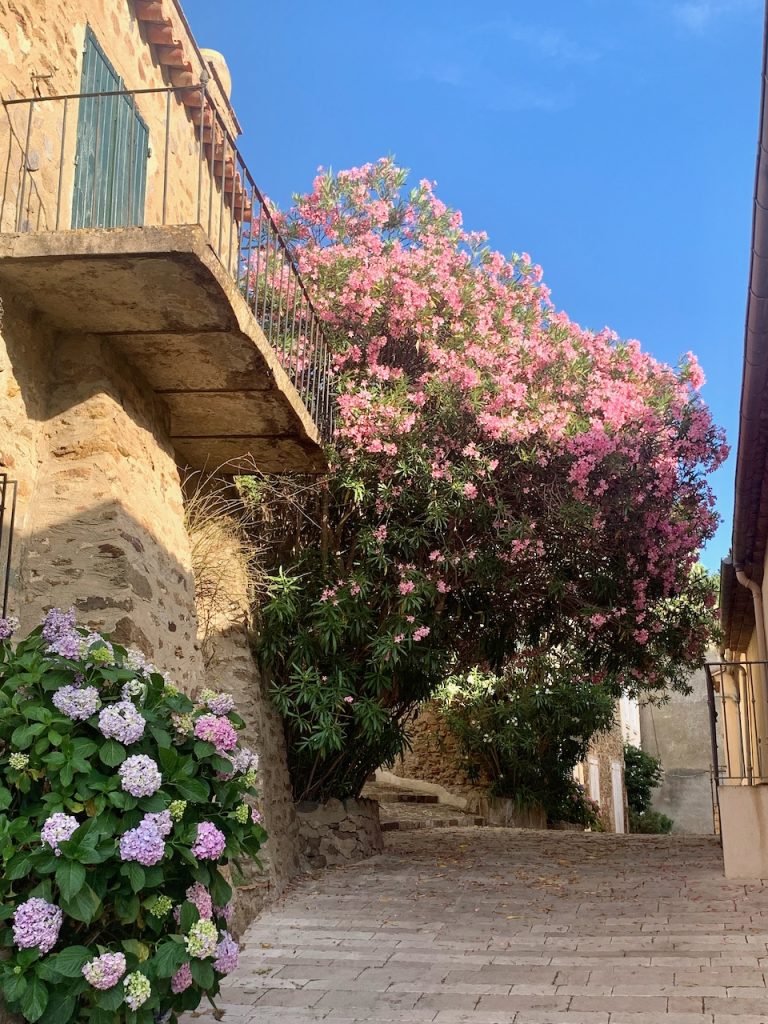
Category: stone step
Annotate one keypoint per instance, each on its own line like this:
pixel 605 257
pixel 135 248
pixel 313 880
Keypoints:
pixel 414 798
pixel 407 826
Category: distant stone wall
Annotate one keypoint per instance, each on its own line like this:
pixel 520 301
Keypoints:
pixel 678 733
pixel 435 755
pixel 338 832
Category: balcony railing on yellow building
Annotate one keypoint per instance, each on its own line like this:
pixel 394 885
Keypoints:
pixel 7 521
pixel 165 157
pixel 738 703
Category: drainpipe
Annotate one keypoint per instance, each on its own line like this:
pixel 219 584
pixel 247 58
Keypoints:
pixel 762 654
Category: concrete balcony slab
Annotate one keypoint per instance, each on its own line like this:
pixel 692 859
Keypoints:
pixel 162 297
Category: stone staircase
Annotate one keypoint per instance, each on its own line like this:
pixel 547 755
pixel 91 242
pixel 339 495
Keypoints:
pixel 406 810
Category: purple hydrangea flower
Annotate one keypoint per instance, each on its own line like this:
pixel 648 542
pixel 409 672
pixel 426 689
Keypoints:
pixel 134 689
pixel 143 844
pixel 75 703
pixel 221 704
pixel 162 821
pixel 138 661
pixel 140 776
pixel 244 760
pixel 61 634
pixel 226 912
pixel 105 971
pixel 8 627
pixel 182 979
pixel 227 955
pixel 218 731
pixel 122 722
pixel 58 828
pixel 36 923
pixel 199 897
pixel 210 842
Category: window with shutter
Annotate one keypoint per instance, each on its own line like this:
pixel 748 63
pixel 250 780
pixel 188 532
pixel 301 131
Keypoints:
pixel 112 149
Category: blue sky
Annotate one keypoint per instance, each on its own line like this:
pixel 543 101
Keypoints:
pixel 614 140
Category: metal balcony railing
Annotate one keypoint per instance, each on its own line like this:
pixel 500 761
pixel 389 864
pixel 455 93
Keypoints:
pixel 7 521
pixel 162 157
pixel 738 702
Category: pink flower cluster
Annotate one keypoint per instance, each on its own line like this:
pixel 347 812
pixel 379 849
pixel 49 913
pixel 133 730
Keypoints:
pixel 210 842
pixel 217 730
pixel 36 923
pixel 104 972
pixel 452 360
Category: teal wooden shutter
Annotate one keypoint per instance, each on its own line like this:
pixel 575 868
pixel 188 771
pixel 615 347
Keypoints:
pixel 112 149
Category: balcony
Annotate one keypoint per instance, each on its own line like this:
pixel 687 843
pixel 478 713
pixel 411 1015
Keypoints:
pixel 131 215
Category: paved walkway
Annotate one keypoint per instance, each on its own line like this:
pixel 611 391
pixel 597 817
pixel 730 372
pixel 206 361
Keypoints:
pixel 494 926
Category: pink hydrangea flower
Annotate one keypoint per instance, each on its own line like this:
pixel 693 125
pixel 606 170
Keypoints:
pixel 182 979
pixel 217 730
pixel 210 842
pixel 37 923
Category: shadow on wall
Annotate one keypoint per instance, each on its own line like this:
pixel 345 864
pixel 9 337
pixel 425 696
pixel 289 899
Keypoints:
pixel 101 527
pixel 123 580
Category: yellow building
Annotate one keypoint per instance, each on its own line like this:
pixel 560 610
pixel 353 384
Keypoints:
pixel 739 685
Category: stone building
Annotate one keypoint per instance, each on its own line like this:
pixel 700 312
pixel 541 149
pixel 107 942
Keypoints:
pixel 136 337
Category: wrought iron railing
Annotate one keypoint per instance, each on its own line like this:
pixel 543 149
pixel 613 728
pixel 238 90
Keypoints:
pixel 737 693
pixel 7 522
pixel 146 157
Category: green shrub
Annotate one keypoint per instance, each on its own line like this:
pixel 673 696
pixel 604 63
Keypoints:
pixel 642 774
pixel 575 806
pixel 649 822
pixel 121 801
pixel 527 729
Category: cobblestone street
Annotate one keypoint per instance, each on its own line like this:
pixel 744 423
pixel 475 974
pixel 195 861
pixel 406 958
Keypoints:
pixel 494 926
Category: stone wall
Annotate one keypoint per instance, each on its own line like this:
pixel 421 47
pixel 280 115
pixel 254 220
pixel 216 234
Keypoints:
pixel 338 832
pixel 678 733
pixel 434 755
pixel 103 527
pixel 220 557
pixel 25 345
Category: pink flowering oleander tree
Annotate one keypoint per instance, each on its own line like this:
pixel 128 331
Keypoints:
pixel 502 481
pixel 122 801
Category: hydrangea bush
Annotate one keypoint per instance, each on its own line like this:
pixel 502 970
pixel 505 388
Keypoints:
pixel 121 802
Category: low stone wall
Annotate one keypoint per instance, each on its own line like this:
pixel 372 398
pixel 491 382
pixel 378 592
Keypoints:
pixel 338 832
pixel 507 813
